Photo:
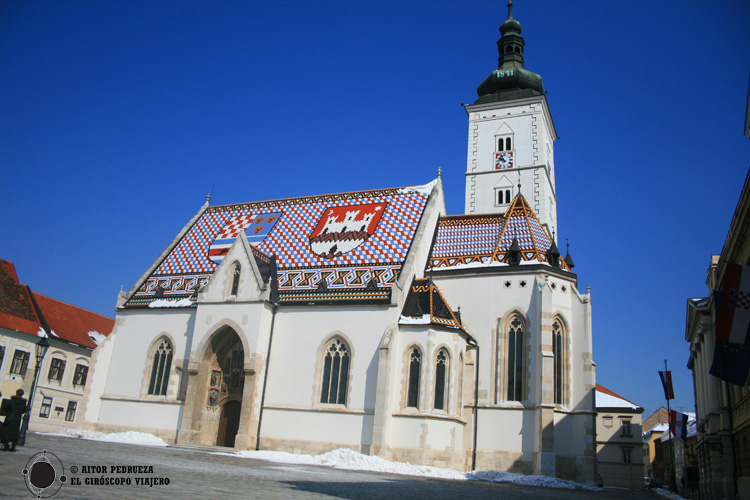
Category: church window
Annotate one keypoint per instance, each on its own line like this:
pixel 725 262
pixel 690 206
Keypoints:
pixel 558 349
pixel 507 144
pixel 415 365
pixel 335 373
pixel 160 368
pixel 56 369
pixel 235 278
pixel 515 360
pixel 441 376
pixel 2 354
pixel 460 384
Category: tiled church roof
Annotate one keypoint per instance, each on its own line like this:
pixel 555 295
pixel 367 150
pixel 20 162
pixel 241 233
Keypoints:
pixel 338 247
pixel 484 240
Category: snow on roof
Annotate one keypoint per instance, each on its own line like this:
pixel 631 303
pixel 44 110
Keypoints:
pixel 608 399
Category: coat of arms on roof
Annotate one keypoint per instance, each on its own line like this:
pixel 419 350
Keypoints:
pixel 255 227
pixel 342 229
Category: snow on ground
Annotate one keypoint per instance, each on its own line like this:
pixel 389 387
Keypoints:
pixel 668 494
pixel 129 437
pixel 351 460
pixel 348 459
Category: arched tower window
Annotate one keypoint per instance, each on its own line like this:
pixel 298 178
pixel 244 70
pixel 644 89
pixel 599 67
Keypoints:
pixel 415 366
pixel 236 269
pixel 335 372
pixel 441 379
pixel 558 349
pixel 160 368
pixel 516 368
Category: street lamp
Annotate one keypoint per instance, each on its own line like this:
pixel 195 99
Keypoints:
pixel 41 350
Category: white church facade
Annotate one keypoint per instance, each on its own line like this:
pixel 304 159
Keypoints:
pixel 372 321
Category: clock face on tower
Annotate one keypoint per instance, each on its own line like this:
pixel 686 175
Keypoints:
pixel 503 160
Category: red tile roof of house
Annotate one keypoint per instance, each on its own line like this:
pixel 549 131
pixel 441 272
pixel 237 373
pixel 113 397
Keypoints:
pixel 67 322
pixel 604 390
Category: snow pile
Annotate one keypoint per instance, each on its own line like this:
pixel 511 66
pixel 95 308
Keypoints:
pixel 347 459
pixel 424 189
pixel 668 494
pixel 497 476
pixel 171 303
pixel 344 458
pixel 129 437
pixel 42 333
pixel 97 337
pixel 408 320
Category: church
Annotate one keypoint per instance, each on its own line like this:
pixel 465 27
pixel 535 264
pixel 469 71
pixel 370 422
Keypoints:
pixel 371 320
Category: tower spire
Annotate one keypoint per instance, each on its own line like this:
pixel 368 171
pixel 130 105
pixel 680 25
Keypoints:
pixel 510 80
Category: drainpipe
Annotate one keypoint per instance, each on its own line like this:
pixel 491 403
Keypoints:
pixel 265 377
pixel 476 409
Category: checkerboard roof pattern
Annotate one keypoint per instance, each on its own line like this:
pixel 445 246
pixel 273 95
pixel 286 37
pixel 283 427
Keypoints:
pixel 289 238
pixel 487 238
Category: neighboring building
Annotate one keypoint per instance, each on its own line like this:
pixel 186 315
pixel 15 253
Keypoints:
pixel 723 408
pixel 371 321
pixel 619 454
pixel 654 426
pixel 74 333
pixel 679 452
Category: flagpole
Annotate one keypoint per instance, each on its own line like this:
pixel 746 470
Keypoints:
pixel 673 478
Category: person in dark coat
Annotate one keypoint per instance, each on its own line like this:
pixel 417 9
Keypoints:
pixel 9 430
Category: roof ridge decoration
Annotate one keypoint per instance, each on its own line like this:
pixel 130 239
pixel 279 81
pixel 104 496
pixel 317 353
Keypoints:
pixel 359 257
pixel 485 240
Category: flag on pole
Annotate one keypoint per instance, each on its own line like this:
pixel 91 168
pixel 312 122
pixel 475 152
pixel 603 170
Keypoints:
pixel 732 308
pixel 666 382
pixel 678 424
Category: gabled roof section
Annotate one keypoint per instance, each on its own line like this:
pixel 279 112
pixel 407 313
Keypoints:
pixel 425 304
pixel 485 240
pixel 16 310
pixel 346 247
pixel 65 321
pixel 608 399
pixel 74 324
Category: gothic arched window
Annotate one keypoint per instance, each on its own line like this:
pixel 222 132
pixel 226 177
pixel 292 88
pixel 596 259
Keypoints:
pixel 515 360
pixel 160 368
pixel 335 372
pixel 235 278
pixel 558 349
pixel 441 379
pixel 415 365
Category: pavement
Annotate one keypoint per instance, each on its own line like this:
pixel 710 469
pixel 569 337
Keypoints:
pixel 101 470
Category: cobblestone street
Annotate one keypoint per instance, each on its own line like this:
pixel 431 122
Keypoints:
pixel 194 474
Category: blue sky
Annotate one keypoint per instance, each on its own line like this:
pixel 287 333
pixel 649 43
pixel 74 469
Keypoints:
pixel 117 118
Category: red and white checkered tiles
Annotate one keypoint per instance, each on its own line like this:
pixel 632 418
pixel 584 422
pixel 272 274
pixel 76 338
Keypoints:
pixel 289 239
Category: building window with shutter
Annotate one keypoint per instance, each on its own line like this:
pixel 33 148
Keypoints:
pixel 20 362
pixel 80 375
pixel 70 413
pixel 56 369
pixel 46 406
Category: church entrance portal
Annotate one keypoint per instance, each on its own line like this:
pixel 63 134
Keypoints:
pixel 226 384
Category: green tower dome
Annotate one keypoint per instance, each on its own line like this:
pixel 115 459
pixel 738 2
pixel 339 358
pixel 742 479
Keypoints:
pixel 510 80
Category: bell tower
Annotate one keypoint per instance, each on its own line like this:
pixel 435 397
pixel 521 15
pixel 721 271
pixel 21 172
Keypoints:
pixel 511 136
